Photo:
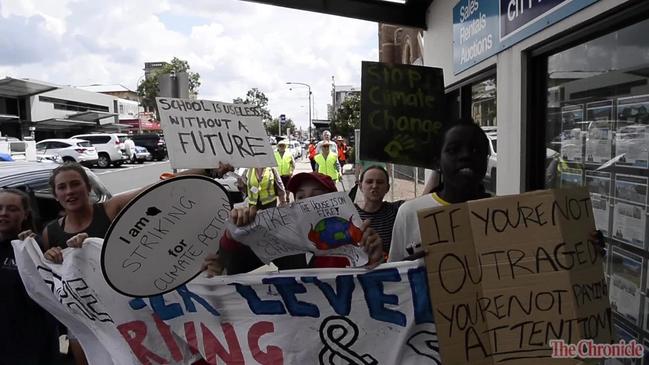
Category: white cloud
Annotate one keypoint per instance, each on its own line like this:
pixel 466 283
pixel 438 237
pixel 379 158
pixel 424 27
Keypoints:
pixel 234 45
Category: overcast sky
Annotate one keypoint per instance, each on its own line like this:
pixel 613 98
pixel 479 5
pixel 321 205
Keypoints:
pixel 234 45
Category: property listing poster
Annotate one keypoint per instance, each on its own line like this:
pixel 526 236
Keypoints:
pixel 630 212
pixel 599 186
pixel 632 131
pixel 571 178
pixel 626 273
pixel 621 333
pixel 599 136
pixel 572 121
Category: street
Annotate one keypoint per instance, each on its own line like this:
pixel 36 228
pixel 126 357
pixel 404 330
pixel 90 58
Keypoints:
pixel 131 176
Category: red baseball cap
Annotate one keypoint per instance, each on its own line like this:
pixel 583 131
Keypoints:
pixel 324 180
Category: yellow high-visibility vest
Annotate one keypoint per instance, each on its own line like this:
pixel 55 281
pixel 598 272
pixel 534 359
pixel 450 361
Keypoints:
pixel 263 191
pixel 327 167
pixel 284 163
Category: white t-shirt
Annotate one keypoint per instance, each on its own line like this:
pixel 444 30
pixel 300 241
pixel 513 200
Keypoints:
pixel 406 238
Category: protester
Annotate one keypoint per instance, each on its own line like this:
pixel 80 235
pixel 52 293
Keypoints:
pixel 312 153
pixel 264 187
pixel 129 148
pixel 285 162
pixel 28 334
pixel 463 165
pixel 71 188
pixel 327 162
pixel 342 151
pixel 237 258
pixel 374 184
pixel 326 137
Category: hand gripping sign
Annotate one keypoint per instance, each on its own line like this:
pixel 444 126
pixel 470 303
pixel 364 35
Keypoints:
pixel 159 240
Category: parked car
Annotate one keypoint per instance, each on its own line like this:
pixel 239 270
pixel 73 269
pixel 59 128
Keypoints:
pixel 108 147
pixel 296 148
pixel 154 143
pixel 32 177
pixel 71 149
pixel 141 155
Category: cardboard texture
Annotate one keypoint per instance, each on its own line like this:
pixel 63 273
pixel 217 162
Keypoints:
pixel 507 275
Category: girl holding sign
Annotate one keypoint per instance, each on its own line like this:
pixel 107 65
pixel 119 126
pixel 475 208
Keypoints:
pixel 463 165
pixel 71 188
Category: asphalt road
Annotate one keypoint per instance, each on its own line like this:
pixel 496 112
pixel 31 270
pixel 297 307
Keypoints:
pixel 131 176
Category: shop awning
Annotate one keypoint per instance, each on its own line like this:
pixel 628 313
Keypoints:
pixel 10 87
pixel 61 123
pixel 409 13
pixel 93 116
pixel 9 118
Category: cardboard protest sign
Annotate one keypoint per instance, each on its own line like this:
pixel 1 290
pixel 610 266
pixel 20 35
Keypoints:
pixel 311 316
pixel 160 239
pixel 507 275
pixel 325 225
pixel 402 113
pixel 202 133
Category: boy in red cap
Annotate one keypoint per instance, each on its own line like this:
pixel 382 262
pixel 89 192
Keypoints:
pixel 237 258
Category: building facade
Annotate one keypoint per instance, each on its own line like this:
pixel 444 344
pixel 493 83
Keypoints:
pixel 566 87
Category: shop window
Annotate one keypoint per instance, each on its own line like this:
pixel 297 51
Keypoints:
pixel 483 102
pixel 597 135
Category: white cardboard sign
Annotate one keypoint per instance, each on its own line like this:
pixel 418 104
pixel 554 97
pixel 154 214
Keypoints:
pixel 160 239
pixel 202 133
pixel 325 225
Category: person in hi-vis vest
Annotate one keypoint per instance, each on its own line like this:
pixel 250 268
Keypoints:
pixel 263 187
pixel 285 162
pixel 327 162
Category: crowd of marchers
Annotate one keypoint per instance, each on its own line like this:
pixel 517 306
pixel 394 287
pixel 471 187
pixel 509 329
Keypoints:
pixel 390 230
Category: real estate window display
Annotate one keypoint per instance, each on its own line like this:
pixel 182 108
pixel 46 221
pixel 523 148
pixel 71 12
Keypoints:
pixel 597 135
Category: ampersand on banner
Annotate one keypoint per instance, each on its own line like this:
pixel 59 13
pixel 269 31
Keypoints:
pixel 425 343
pixel 338 334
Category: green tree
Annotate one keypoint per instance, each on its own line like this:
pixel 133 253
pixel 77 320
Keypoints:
pixel 272 126
pixel 347 117
pixel 257 98
pixel 149 89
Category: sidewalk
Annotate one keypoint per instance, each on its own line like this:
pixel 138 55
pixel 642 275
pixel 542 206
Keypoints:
pixel 401 189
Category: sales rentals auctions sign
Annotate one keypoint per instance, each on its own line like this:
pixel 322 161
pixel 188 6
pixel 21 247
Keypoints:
pixel 509 274
pixel 483 28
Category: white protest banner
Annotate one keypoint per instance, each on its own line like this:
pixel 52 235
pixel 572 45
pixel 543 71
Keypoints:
pixel 112 328
pixel 312 316
pixel 160 239
pixel 325 225
pixel 202 133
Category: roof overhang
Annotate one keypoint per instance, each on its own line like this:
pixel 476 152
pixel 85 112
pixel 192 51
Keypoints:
pixel 10 87
pixel 61 123
pixel 94 117
pixel 409 13
pixel 9 118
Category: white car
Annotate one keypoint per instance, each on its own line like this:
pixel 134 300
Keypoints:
pixel 296 149
pixel 141 154
pixel 71 149
pixel 109 147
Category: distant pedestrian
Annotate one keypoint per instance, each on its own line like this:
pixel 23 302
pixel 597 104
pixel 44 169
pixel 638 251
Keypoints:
pixel 326 137
pixel 312 153
pixel 342 151
pixel 285 162
pixel 327 162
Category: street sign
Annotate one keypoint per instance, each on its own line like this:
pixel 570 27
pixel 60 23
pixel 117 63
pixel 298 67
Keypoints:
pixel 282 118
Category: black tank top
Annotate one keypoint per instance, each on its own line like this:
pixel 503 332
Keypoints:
pixel 97 228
